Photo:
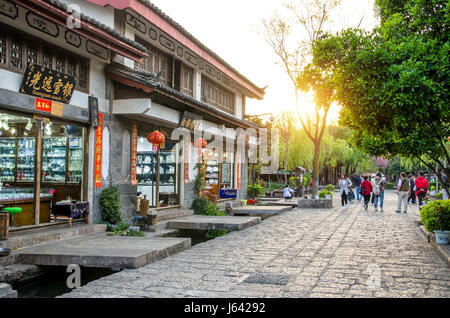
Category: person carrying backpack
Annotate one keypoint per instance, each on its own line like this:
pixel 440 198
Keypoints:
pixel 378 191
pixel 403 192
pixel 366 190
pixel 356 179
pixel 345 185
pixel 421 188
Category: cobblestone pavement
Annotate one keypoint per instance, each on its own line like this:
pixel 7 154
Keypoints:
pixel 320 253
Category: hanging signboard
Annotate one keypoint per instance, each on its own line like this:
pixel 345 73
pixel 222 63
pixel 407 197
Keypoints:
pixel 46 83
pixel 93 111
pixel 43 105
pixel 134 141
pixel 190 121
pixel 98 152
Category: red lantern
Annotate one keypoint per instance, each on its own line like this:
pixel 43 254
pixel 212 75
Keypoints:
pixel 156 138
pixel 200 143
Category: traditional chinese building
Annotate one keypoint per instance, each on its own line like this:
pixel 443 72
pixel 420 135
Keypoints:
pixel 52 87
pixel 79 95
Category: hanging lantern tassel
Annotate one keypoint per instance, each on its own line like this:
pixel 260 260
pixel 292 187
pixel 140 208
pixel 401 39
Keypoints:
pixel 156 138
pixel 200 144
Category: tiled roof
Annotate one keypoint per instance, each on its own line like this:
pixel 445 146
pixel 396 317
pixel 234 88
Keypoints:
pixel 100 25
pixel 151 80
pixel 201 45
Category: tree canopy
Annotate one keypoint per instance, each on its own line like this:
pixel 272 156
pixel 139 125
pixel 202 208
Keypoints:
pixel 392 83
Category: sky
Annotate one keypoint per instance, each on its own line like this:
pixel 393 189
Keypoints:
pixel 229 28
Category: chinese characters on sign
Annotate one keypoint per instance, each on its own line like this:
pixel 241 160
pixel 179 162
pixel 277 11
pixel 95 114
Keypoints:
pixel 190 121
pixel 93 110
pixel 46 83
pixel 134 140
pixel 43 105
pixel 98 153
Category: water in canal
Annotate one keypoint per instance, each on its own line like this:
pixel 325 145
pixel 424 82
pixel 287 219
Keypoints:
pixel 52 281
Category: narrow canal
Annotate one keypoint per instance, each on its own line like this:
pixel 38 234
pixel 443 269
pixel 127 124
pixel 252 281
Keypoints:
pixel 52 281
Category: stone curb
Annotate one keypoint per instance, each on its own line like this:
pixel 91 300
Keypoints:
pixel 6 291
pixel 443 250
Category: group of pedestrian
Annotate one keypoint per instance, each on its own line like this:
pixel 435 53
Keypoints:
pixel 371 190
pixel 367 189
pixel 409 189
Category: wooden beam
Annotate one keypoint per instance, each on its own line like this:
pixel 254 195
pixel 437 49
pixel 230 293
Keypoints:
pixel 37 172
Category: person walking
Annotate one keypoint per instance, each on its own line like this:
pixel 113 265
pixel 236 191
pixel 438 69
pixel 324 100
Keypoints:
pixel 446 184
pixel 412 197
pixel 403 192
pixel 345 185
pixel 421 188
pixel 356 179
pixel 378 191
pixel 366 190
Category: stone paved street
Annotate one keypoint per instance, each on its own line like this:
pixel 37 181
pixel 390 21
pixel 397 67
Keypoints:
pixel 322 253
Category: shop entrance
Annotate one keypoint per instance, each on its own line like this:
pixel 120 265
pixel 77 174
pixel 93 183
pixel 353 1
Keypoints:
pixel 43 156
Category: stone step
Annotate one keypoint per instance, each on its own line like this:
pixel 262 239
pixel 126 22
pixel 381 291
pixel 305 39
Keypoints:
pixel 100 250
pixel 164 215
pixel 6 291
pixel 201 222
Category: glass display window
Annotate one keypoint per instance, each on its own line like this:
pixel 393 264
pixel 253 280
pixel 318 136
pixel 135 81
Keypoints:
pixel 146 161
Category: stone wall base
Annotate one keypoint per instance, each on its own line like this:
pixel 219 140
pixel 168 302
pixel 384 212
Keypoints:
pixel 315 204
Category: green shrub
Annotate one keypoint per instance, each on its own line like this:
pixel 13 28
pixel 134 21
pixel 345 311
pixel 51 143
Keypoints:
pixel 440 195
pixel 389 185
pixel 255 191
pixel 330 188
pixel 323 194
pixel 213 210
pixel 432 188
pixel 216 233
pixel 111 206
pixel 199 206
pixel 436 216
pixel 135 233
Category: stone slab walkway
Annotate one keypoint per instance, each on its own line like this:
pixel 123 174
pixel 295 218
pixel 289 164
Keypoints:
pixel 104 251
pixel 300 253
pixel 254 210
pixel 201 222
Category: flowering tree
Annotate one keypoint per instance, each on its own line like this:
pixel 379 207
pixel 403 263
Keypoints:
pixel 381 163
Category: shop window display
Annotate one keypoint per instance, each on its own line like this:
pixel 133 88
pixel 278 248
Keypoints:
pixel 146 172
pixel 62 156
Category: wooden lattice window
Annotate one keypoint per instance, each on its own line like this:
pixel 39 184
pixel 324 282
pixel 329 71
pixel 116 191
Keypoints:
pixel 18 49
pixel 47 57
pixel 3 54
pixel 157 61
pixel 60 63
pixel 215 95
pixel 32 52
pixel 187 80
pixel 83 71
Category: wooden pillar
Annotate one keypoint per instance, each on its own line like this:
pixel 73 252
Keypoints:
pixel 37 171
pixel 157 177
pixel 85 175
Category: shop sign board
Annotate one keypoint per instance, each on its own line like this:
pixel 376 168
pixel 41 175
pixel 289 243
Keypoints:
pixel 93 111
pixel 46 83
pixel 190 121
pixel 98 153
pixel 57 109
pixel 238 177
pixel 134 141
pixel 43 105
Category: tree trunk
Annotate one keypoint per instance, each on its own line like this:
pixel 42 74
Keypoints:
pixel 315 189
pixel 286 162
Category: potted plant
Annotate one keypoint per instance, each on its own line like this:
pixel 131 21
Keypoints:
pixel 432 190
pixel 436 218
